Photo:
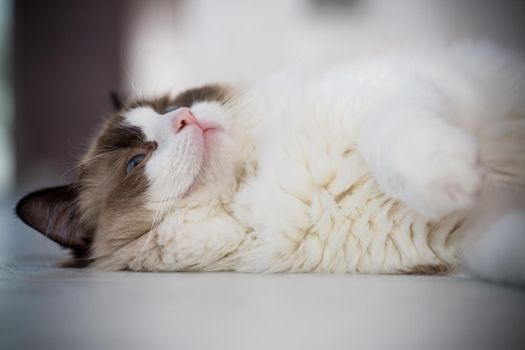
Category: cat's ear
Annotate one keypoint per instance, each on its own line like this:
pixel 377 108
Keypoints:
pixel 53 212
pixel 116 100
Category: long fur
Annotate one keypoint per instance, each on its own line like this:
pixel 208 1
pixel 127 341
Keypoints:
pixel 371 167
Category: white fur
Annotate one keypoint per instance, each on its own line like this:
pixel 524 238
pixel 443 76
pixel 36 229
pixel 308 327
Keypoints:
pixel 370 167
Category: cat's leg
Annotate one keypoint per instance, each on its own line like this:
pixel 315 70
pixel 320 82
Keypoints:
pixel 417 156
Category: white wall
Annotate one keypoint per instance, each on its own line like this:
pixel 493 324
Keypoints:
pixel 178 44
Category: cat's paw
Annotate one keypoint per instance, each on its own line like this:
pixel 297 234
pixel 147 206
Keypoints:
pixel 437 170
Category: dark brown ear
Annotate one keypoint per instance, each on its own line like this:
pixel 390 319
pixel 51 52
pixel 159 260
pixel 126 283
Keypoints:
pixel 116 100
pixel 53 212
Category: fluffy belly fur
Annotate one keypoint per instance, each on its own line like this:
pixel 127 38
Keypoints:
pixel 314 205
pixel 338 225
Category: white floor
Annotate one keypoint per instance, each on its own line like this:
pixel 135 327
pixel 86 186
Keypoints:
pixel 44 307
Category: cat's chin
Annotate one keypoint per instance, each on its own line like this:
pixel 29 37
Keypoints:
pixel 206 135
pixel 207 139
pixel 216 174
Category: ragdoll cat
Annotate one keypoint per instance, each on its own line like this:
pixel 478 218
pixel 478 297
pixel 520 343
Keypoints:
pixel 372 167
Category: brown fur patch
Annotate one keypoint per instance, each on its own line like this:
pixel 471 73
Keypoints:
pixel 206 93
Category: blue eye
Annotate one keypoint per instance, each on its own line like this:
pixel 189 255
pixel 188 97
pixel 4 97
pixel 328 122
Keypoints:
pixel 133 162
pixel 170 109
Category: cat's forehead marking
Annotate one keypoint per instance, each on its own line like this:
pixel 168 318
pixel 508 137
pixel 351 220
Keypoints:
pixel 144 118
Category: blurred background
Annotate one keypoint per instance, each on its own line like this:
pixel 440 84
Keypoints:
pixel 59 59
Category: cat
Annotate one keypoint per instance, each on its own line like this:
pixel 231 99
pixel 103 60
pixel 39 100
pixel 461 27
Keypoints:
pixel 375 166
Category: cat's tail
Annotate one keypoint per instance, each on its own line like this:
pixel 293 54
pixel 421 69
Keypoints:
pixel 499 253
pixel 496 251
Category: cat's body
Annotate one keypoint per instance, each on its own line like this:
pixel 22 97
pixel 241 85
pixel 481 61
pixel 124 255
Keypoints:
pixel 372 167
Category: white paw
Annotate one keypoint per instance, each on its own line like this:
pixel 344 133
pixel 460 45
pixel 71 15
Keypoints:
pixel 436 170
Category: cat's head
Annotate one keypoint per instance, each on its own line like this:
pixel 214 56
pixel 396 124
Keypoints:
pixel 150 158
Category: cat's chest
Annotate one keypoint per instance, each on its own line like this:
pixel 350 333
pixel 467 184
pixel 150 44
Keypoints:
pixel 301 164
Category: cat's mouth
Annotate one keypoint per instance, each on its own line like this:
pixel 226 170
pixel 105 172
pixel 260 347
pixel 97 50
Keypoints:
pixel 209 128
pixel 204 126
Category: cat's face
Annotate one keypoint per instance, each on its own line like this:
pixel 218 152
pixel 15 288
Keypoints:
pixel 150 159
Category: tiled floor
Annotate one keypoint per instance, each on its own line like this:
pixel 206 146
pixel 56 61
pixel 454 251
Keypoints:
pixel 43 307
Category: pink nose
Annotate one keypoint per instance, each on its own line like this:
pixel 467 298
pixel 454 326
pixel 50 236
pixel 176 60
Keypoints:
pixel 181 118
